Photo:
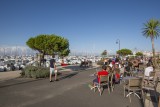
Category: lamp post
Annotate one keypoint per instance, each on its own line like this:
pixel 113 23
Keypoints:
pixel 118 42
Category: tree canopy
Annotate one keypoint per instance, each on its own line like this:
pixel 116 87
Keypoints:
pixel 49 44
pixel 124 52
pixel 139 54
pixel 104 53
pixel 152 29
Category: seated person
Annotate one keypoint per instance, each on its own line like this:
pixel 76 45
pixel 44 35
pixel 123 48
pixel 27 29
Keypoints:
pixel 111 72
pixel 116 67
pixel 135 64
pixel 117 76
pixel 122 69
pixel 105 62
pixel 148 69
pixel 98 74
pixel 109 69
pixel 110 64
pixel 127 71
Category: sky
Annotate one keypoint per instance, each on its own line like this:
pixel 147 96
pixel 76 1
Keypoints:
pixel 89 25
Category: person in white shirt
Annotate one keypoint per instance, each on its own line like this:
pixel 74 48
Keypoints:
pixel 148 69
pixel 110 64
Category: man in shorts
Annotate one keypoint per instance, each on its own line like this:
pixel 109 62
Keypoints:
pixel 53 69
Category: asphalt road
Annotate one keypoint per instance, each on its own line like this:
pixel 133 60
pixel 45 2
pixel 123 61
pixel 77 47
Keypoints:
pixel 70 91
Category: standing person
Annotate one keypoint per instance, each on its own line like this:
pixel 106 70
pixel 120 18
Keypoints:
pixel 53 69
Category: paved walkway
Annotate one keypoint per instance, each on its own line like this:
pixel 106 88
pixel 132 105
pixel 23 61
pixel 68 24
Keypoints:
pixel 15 74
pixel 9 75
pixel 70 91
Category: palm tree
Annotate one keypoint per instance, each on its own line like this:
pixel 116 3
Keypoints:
pixel 152 30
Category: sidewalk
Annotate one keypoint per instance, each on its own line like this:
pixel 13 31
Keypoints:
pixel 70 91
pixel 15 74
pixel 4 76
pixel 9 75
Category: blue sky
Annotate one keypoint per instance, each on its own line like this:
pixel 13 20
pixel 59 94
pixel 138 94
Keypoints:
pixel 89 25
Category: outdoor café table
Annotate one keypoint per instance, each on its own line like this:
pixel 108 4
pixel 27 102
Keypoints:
pixel 126 79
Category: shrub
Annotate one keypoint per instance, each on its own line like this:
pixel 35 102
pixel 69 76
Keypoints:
pixel 35 72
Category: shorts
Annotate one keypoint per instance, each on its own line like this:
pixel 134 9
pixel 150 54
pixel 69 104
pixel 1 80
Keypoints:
pixel 52 70
pixel 95 80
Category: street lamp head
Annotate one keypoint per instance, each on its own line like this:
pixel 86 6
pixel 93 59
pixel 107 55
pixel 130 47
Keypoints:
pixel 118 42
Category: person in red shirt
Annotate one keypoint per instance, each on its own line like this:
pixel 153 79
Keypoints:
pixel 98 74
pixel 103 72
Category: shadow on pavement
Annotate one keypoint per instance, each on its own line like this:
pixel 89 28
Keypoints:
pixel 77 68
pixel 62 75
pixel 70 75
pixel 16 81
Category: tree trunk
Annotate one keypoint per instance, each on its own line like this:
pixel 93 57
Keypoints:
pixel 43 58
pixel 39 59
pixel 153 51
pixel 53 55
pixel 62 59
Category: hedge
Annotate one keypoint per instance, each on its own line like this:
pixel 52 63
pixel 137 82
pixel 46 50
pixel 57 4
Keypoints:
pixel 35 72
